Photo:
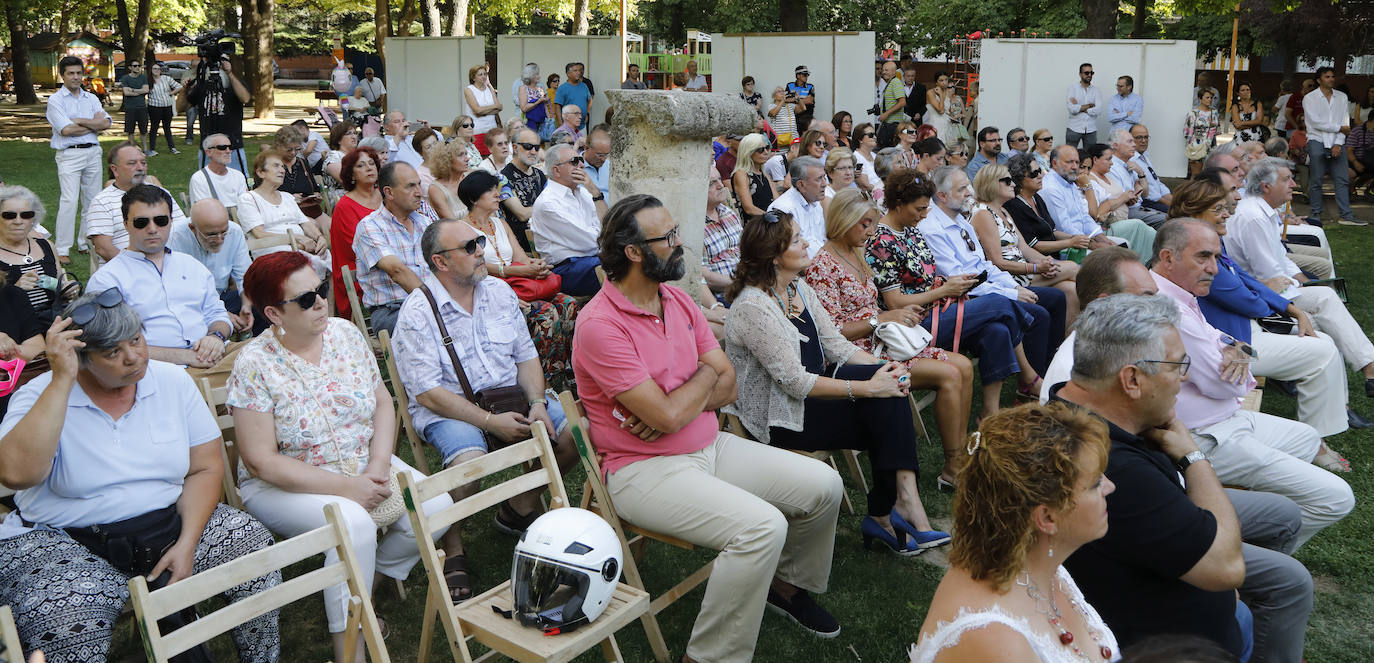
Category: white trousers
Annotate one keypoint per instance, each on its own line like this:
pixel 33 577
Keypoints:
pixel 1322 250
pixel 1332 317
pixel 78 175
pixel 1274 455
pixel 288 514
pixel 1315 364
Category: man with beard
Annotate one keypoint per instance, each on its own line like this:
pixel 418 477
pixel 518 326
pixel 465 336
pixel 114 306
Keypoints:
pixel 651 375
pixel 523 183
pixel 566 220
pixel 492 341
pixel 104 219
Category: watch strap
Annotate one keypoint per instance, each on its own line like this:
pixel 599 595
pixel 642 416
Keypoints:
pixel 1192 457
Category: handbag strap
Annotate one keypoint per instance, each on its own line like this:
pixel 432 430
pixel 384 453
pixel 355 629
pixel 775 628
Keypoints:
pixel 206 172
pixel 448 345
pixel 958 321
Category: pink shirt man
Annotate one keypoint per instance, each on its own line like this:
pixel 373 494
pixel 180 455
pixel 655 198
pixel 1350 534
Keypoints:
pixel 1204 398
pixel 617 347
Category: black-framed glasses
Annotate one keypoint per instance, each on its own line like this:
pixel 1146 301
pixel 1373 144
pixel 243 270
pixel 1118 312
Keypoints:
pixel 469 247
pixel 222 148
pixel 1182 365
pixel 1044 139
pixel 84 313
pixel 1035 173
pixel 1088 73
pixel 529 146
pixel 870 134
pixel 1021 139
pixel 306 300
pixel 141 222
pixel 671 237
pixel 11 215
pixel 909 132
pixel 992 140
pixel 1007 181
pixel 575 161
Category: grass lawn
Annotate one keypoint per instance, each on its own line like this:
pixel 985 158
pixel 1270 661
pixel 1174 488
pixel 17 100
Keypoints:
pixel 879 598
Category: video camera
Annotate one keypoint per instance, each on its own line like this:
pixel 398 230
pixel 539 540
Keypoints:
pixel 210 47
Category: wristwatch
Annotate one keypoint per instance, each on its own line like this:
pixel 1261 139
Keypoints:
pixel 222 338
pixel 1192 457
pixel 873 322
pixel 599 197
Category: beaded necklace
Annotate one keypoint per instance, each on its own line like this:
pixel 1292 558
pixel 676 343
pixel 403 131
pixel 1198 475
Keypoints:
pixel 1050 608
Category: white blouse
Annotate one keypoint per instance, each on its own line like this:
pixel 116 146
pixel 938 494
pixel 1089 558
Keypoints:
pixel 498 251
pixel 254 211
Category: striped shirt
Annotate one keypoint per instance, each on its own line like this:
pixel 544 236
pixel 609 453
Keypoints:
pixel 161 90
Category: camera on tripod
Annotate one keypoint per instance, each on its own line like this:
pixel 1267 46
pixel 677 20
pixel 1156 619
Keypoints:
pixel 211 47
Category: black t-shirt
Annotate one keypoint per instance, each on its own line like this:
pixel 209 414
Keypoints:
pixel 525 187
pixel 1035 224
pixel 916 102
pixel 219 110
pixel 1155 534
pixel 17 320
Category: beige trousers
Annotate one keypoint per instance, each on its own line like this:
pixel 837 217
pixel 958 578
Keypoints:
pixel 770 513
pixel 1331 316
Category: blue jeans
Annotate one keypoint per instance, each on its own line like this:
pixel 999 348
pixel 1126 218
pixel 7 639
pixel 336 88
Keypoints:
pixel 579 275
pixel 233 300
pixel 453 438
pixel 993 326
pixel 1319 163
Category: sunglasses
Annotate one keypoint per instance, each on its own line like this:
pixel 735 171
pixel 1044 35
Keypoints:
pixel 141 222
pixel 465 125
pixel 27 215
pixel 528 146
pixel 1007 181
pixel 469 247
pixel 1020 139
pixel 909 132
pixel 968 241
pixel 222 148
pixel 870 134
pixel 83 314
pixel 306 300
pixel 1035 173
pixel 1044 139
pixel 575 161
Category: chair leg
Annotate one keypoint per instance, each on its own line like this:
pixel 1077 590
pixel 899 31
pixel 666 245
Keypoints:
pixel 610 650
pixel 400 589
pixel 844 497
pixel 427 628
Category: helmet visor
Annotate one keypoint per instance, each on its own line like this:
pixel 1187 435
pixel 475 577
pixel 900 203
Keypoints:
pixel 548 594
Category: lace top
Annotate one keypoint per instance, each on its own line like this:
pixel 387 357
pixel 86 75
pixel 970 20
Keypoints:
pixel 1045 644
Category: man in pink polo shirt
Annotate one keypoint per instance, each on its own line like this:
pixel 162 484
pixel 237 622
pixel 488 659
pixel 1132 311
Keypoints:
pixel 651 375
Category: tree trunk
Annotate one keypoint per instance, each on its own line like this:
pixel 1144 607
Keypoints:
pixel 139 47
pixel 19 40
pixel 407 17
pixel 64 19
pixel 381 16
pixel 1142 9
pixel 259 18
pixel 460 17
pixel 792 15
pixel 126 34
pixel 429 15
pixel 1101 17
pixel 580 17
pixel 230 18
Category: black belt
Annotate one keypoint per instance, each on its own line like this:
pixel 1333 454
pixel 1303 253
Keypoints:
pixel 81 146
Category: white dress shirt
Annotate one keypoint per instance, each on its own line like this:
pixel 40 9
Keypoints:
pixel 1325 117
pixel 1083 121
pixel 810 218
pixel 227 188
pixel 1252 240
pixel 1157 188
pixel 178 303
pixel 1067 206
pixel 949 240
pixel 564 223
pixel 62 107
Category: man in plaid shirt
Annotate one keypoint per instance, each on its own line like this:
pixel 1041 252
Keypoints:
pixel 723 229
pixel 387 245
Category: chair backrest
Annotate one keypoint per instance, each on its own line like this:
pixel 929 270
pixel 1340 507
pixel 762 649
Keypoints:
pixel 529 237
pixel 217 398
pixel 149 607
pixel 413 435
pixel 258 245
pixel 355 306
pixel 572 411
pixel 11 650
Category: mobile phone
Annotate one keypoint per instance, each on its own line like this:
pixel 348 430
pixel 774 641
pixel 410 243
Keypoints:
pixel 981 278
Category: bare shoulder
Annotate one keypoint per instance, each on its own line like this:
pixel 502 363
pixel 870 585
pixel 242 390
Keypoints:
pixel 991 642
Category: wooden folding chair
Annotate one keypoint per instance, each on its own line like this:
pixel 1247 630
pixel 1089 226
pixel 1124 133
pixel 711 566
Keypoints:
pixel 412 434
pixel 259 245
pixel 476 617
pixel 731 423
pixel 216 398
pixel 355 306
pixel 596 497
pixel 149 607
pixel 11 651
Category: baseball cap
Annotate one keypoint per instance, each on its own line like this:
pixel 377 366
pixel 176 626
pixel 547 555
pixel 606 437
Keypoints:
pixel 802 70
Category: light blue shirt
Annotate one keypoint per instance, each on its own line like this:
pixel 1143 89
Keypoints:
pixel 979 160
pixel 1157 188
pixel 949 240
pixel 601 177
pixel 177 303
pixel 1125 112
pixel 1067 205
pixel 229 262
pixel 1123 177
pixel 107 470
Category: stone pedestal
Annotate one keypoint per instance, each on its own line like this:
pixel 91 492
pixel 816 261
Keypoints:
pixel 661 145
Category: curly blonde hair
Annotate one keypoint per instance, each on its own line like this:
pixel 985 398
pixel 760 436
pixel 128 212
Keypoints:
pixel 1024 457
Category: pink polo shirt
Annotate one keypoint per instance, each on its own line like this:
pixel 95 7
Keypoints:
pixel 617 346
pixel 1204 398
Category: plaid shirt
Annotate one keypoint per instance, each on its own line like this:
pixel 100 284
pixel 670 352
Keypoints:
pixel 380 235
pixel 722 242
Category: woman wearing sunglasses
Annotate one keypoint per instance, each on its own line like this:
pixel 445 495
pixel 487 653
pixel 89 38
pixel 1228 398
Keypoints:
pixel 316 426
pixel 100 502
pixel 1028 210
pixel 462 129
pixel 1041 144
pixel 28 262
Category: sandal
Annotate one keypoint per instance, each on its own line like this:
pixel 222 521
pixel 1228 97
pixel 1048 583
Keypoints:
pixel 383 627
pixel 1030 392
pixel 510 523
pixel 1331 461
pixel 461 582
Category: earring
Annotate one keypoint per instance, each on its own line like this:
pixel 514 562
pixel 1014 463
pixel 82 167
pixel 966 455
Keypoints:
pixel 1051 546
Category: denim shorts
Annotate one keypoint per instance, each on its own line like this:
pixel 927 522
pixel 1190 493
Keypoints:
pixel 452 438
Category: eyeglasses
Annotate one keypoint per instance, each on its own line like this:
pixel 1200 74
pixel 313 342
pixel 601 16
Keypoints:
pixel 306 300
pixel 1034 174
pixel 968 240
pixel 11 215
pixel 1182 365
pixel 141 222
pixel 465 125
pixel 870 134
pixel 1007 181
pixel 222 148
pixel 84 313
pixel 771 217
pixel 1142 137
pixel 671 237
pixel 1087 73
pixel 469 247
pixel 1021 139
pixel 575 161
pixel 528 146
pixel 844 169
pixel 992 140
pixel 219 235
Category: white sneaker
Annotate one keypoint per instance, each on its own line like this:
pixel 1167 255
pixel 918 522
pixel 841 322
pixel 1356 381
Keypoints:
pixel 176 151
pixel 150 153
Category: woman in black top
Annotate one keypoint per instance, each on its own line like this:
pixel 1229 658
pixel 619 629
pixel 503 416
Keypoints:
pixel 29 262
pixel 1029 212
pixel 298 181
pixel 21 334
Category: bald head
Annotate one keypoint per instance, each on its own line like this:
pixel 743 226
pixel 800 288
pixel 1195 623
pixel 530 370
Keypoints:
pixel 210 222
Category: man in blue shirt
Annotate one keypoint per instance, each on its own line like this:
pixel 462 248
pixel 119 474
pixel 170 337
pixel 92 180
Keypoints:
pixel 574 91
pixel 222 248
pixel 804 93
pixel 1062 192
pixel 989 151
pixel 596 159
pixel 1131 177
pixel 1126 107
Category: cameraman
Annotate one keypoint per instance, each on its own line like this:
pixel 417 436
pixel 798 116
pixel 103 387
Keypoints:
pixel 219 97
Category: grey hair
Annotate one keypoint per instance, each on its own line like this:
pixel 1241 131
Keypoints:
pixel 205 142
pixel 1265 171
pixel 798 167
pixel 1122 136
pixel 377 143
pixel 429 240
pixel 1120 330
pixel 530 72
pixel 1175 234
pixel 885 161
pixel 1276 146
pixel 554 155
pixel 943 178
pixel 110 326
pixel 8 193
pixel 567 108
pixel 561 137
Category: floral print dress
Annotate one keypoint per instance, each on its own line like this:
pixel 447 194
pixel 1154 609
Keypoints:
pixel 1200 129
pixel 848 298
pixel 902 259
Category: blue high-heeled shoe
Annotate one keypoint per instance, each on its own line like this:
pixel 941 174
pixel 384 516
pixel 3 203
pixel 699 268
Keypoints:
pixel 872 530
pixel 922 540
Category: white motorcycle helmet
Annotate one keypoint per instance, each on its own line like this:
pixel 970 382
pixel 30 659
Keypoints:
pixel 566 567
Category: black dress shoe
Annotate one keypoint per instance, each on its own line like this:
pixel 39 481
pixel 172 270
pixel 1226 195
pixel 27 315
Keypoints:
pixel 1288 387
pixel 1356 421
pixel 1369 387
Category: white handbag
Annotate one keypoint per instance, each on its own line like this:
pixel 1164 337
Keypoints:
pixel 902 342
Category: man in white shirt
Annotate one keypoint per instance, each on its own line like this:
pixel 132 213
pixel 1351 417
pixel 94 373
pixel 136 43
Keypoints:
pixel 77 118
pixel 1084 103
pixel 1327 114
pixel 398 147
pixel 1280 117
pixel 372 88
pixel 803 201
pixel 217 180
pixel 314 147
pixel 695 81
pixel 105 218
pixel 566 221
pixel 1132 176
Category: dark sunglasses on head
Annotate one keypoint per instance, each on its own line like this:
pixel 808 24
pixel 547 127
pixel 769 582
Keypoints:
pixel 306 300
pixel 84 313
pixel 469 247
pixel 141 222
pixel 11 215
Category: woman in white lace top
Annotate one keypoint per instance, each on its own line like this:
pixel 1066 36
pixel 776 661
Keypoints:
pixel 1031 492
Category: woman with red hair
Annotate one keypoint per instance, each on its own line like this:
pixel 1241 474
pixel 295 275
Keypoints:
pixel 358 174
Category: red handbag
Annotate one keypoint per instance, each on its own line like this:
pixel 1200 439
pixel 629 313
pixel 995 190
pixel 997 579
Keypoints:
pixel 534 290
